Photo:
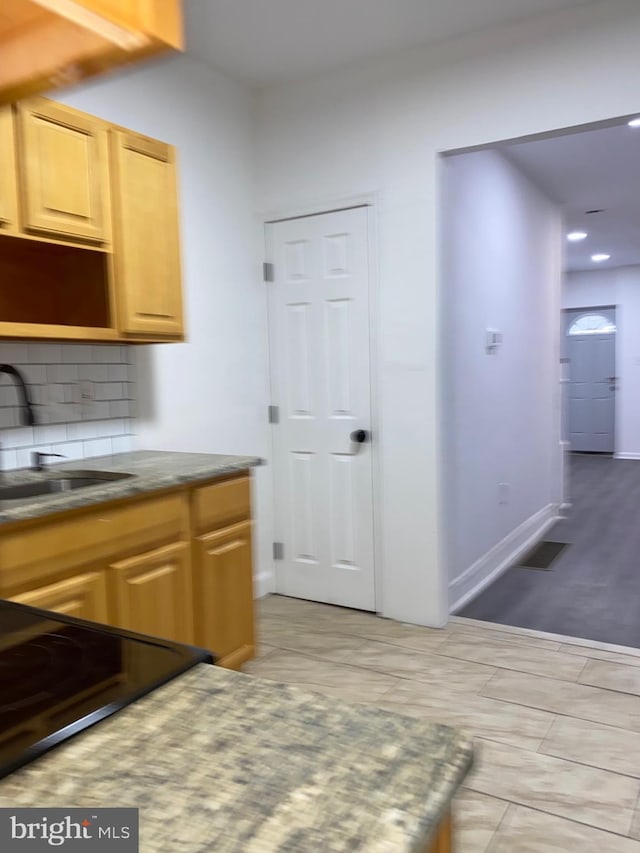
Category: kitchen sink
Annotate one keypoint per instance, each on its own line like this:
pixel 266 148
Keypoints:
pixel 62 482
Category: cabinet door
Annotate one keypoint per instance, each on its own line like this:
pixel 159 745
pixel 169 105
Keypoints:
pixel 223 594
pixel 84 596
pixel 147 254
pixel 8 186
pixel 63 177
pixel 151 593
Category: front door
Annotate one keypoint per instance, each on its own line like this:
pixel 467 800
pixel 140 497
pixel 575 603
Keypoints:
pixel 591 349
pixel 320 381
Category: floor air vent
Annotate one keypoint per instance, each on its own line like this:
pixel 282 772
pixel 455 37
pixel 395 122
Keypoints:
pixel 543 556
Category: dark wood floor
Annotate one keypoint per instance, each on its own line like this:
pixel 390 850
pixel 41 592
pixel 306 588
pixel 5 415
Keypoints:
pixel 593 589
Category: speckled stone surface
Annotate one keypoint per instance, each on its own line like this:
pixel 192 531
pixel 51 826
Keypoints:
pixel 225 762
pixel 152 470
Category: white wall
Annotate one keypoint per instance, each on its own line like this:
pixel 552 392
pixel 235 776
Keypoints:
pixel 502 269
pixel 585 289
pixel 378 129
pixel 209 394
pixel 619 287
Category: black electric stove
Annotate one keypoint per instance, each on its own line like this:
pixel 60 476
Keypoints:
pixel 59 675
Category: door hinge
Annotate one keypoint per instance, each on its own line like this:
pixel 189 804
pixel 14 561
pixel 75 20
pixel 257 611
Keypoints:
pixel 278 550
pixel 268 273
pixel 273 413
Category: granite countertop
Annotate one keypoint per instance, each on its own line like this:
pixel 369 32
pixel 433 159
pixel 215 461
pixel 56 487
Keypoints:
pixel 218 760
pixel 151 469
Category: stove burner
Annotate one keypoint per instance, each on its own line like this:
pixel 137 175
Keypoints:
pixel 48 669
pixel 60 675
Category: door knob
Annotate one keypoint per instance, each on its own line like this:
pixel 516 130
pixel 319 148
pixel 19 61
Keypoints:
pixel 360 436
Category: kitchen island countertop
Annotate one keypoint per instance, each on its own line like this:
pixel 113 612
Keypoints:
pixel 225 762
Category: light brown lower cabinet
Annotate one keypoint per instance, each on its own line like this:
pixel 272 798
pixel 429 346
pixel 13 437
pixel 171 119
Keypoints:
pixel 223 588
pixel 178 566
pixel 443 842
pixel 83 596
pixel 151 593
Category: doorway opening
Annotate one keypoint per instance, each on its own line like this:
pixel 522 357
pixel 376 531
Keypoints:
pixel 541 307
pixel 590 358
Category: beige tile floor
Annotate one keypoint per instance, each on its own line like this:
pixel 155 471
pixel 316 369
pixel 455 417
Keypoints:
pixel 556 719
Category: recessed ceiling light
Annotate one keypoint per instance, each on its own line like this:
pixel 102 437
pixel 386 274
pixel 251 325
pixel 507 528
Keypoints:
pixel 635 122
pixel 576 236
pixel 599 258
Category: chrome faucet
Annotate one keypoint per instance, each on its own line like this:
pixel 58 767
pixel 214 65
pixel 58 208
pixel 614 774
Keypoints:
pixel 37 458
pixel 27 415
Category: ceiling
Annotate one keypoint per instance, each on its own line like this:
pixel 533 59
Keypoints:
pixel 263 42
pixel 595 169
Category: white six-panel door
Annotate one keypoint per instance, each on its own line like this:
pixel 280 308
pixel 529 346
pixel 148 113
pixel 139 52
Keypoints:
pixel 320 374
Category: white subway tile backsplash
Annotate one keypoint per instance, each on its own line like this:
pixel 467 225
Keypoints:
pixel 82 430
pixel 68 413
pixel 62 373
pixel 52 394
pixel 118 372
pixel 37 395
pixel 77 354
pixel 66 423
pixel 8 395
pixel 106 354
pixel 72 393
pixel 110 428
pixel 8 418
pixel 50 433
pixel 12 353
pixel 94 372
pixel 97 447
pixel 122 444
pixel 119 408
pixel 70 450
pixel 98 410
pixel 108 391
pixel 20 437
pixel 34 374
pixel 8 459
pixel 45 353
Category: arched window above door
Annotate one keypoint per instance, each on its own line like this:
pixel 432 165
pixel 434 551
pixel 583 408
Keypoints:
pixel 592 324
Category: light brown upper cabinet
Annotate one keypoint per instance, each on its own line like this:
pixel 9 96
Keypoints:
pixel 8 185
pixel 146 242
pixel 63 171
pixel 46 44
pixel 89 243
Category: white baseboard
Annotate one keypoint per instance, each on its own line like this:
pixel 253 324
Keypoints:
pixel 626 455
pixel 263 584
pixel 502 556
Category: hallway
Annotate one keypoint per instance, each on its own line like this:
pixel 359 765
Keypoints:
pixel 593 587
